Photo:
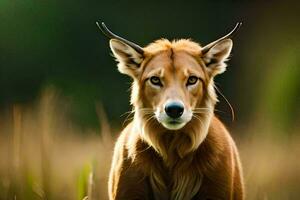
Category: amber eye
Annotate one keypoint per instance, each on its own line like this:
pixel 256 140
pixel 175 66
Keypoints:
pixel 192 80
pixel 155 81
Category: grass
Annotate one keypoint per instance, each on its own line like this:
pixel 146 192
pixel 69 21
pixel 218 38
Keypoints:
pixel 43 155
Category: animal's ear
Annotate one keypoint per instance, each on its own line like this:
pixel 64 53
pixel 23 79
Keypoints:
pixel 128 58
pixel 216 56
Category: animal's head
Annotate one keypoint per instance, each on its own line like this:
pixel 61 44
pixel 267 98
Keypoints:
pixel 172 80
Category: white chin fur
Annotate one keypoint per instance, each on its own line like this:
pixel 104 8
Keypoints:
pixel 176 126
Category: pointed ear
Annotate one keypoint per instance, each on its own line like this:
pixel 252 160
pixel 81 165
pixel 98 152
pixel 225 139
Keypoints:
pixel 216 57
pixel 128 58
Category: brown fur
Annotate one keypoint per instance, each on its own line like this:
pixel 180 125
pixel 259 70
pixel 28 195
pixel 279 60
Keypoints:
pixel 198 161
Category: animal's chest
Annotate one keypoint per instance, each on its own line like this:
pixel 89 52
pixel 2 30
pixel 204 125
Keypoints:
pixel 179 182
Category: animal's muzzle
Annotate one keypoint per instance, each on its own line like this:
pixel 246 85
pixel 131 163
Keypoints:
pixel 174 109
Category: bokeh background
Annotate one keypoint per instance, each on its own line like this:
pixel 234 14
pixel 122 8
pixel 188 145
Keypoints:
pixel 62 100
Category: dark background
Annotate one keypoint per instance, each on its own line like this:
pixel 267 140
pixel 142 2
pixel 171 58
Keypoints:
pixel 57 43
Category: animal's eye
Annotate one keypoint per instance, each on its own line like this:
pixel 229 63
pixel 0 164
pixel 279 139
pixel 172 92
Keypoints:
pixel 155 81
pixel 192 80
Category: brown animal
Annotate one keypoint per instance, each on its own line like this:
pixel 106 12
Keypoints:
pixel 174 148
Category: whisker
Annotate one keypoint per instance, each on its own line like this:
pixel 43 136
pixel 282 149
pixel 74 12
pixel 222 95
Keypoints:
pixel 127 119
pixel 148 120
pixel 201 109
pixel 128 112
pixel 130 116
pixel 228 103
pixel 146 111
pixel 208 109
pixel 196 117
pixel 200 112
pixel 151 117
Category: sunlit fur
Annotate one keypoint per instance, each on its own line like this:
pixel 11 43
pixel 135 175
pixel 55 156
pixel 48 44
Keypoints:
pixel 197 161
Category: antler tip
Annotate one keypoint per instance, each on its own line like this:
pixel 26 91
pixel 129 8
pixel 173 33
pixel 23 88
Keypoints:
pixel 100 25
pixel 111 35
pixel 97 23
pixel 239 24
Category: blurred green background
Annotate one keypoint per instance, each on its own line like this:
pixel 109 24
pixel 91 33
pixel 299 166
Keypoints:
pixel 57 43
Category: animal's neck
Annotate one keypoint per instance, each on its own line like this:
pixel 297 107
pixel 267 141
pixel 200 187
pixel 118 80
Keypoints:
pixel 173 145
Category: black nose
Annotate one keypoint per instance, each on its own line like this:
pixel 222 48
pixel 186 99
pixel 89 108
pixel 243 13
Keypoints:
pixel 174 109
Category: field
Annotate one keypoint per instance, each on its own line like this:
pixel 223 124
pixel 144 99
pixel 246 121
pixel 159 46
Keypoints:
pixel 43 155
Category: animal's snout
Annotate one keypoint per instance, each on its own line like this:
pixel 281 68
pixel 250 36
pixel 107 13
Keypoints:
pixel 174 109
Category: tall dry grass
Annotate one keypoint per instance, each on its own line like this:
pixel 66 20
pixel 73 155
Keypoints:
pixel 43 155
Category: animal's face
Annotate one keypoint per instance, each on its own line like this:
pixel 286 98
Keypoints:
pixel 171 78
pixel 173 83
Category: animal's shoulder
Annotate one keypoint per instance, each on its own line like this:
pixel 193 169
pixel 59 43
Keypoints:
pixel 217 147
pixel 218 135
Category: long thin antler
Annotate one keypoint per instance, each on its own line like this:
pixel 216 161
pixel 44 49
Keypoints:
pixel 111 35
pixel 229 35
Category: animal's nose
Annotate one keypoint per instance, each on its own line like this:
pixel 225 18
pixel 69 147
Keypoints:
pixel 174 109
